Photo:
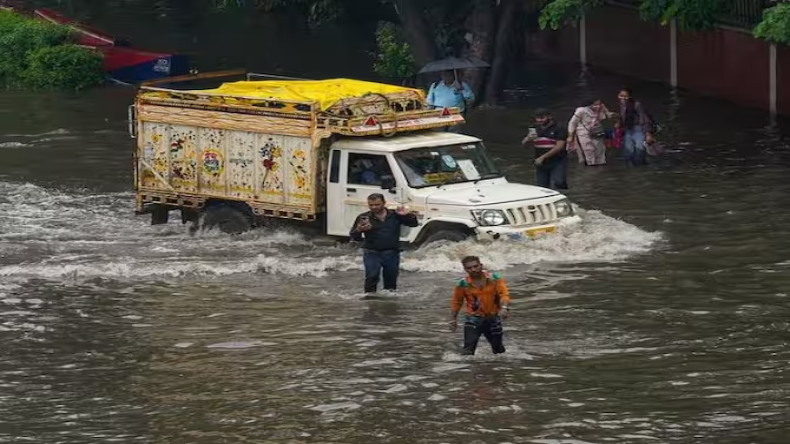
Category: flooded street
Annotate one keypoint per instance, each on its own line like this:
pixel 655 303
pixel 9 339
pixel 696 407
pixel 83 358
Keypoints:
pixel 662 318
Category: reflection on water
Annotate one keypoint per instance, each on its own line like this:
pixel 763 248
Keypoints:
pixel 662 318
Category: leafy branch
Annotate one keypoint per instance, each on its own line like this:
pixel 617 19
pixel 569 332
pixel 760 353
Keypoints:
pixel 775 26
pixel 558 13
pixel 690 15
pixel 393 59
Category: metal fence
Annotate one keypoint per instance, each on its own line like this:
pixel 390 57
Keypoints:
pixel 745 14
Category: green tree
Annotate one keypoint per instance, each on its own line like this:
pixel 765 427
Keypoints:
pixel 431 29
pixel 393 58
pixel 40 55
pixel 688 14
pixel 557 13
pixel 775 26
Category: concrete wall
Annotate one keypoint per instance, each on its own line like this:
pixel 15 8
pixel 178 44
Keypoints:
pixel 727 63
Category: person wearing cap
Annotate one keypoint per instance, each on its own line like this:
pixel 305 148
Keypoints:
pixel 551 157
pixel 450 92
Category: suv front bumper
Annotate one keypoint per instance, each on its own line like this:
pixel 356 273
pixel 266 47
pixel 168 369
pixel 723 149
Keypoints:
pixel 516 233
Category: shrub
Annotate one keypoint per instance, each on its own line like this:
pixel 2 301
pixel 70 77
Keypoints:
pixel 35 54
pixel 63 66
pixel 394 59
pixel 775 26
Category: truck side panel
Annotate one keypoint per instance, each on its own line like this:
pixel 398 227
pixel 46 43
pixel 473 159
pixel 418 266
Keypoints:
pixel 269 171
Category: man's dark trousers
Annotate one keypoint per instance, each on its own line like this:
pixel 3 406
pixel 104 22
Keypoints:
pixel 375 262
pixel 552 174
pixel 490 327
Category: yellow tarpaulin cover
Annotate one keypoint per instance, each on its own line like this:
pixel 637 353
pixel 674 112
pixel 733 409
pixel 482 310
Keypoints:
pixel 325 92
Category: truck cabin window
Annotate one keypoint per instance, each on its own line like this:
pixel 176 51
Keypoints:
pixel 468 162
pixel 368 169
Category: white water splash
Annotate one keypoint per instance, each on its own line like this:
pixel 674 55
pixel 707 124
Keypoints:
pixel 13 144
pixel 58 235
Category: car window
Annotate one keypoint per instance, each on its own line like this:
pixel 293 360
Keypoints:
pixel 368 169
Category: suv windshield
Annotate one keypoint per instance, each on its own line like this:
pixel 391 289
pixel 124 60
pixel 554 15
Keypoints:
pixel 441 165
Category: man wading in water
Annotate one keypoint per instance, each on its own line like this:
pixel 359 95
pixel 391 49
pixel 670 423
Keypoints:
pixel 381 250
pixel 487 298
pixel 551 163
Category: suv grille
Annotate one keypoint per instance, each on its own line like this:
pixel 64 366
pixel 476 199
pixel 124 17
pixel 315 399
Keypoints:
pixel 532 214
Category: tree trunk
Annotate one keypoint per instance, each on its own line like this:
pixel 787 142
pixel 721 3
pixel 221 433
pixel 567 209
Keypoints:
pixel 503 46
pixel 418 34
pixel 480 26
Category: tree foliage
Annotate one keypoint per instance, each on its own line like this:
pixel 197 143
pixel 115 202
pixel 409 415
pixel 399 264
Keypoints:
pixel 63 67
pixel 688 14
pixel 35 54
pixel 691 15
pixel 557 13
pixel 393 58
pixel 316 11
pixel 775 26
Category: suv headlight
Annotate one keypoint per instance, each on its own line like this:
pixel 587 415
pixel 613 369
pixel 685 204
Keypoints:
pixel 563 208
pixel 489 218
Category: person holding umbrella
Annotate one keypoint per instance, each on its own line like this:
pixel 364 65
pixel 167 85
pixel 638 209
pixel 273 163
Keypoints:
pixel 452 91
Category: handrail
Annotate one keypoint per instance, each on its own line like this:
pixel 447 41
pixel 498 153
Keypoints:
pixel 250 75
pixel 195 76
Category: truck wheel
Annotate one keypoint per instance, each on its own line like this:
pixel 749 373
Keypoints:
pixel 160 215
pixel 228 219
pixel 445 235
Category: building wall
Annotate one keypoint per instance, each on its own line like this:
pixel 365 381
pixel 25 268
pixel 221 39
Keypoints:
pixel 619 41
pixel 725 63
pixel 562 44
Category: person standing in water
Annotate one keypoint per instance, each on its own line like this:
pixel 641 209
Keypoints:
pixel 486 298
pixel 451 92
pixel 637 128
pixel 380 229
pixel 551 157
pixel 586 134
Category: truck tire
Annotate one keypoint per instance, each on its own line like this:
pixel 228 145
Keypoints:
pixel 229 220
pixel 160 215
pixel 445 235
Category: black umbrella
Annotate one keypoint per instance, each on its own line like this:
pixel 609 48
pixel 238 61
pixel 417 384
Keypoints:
pixel 454 63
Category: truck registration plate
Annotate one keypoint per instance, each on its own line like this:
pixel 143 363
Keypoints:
pixel 537 231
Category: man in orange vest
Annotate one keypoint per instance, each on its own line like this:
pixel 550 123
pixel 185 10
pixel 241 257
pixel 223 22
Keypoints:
pixel 486 297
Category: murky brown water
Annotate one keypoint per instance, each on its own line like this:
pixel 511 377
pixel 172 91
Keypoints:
pixel 664 318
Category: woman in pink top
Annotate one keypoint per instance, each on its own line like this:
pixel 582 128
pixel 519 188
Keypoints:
pixel 586 134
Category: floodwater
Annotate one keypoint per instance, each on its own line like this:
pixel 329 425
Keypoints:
pixel 663 318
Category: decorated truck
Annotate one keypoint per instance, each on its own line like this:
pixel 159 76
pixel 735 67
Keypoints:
pixel 247 152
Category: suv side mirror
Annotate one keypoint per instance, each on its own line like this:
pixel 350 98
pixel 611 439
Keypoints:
pixel 388 183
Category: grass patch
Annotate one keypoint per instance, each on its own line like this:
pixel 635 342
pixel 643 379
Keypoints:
pixel 40 55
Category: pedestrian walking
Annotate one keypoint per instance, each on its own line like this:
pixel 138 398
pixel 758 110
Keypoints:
pixel 586 134
pixel 380 228
pixel 486 298
pixel 637 126
pixel 551 157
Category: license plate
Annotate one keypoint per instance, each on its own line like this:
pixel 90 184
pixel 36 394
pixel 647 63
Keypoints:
pixel 537 231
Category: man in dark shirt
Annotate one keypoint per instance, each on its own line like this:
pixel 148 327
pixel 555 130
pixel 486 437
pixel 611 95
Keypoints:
pixel 551 158
pixel 381 249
